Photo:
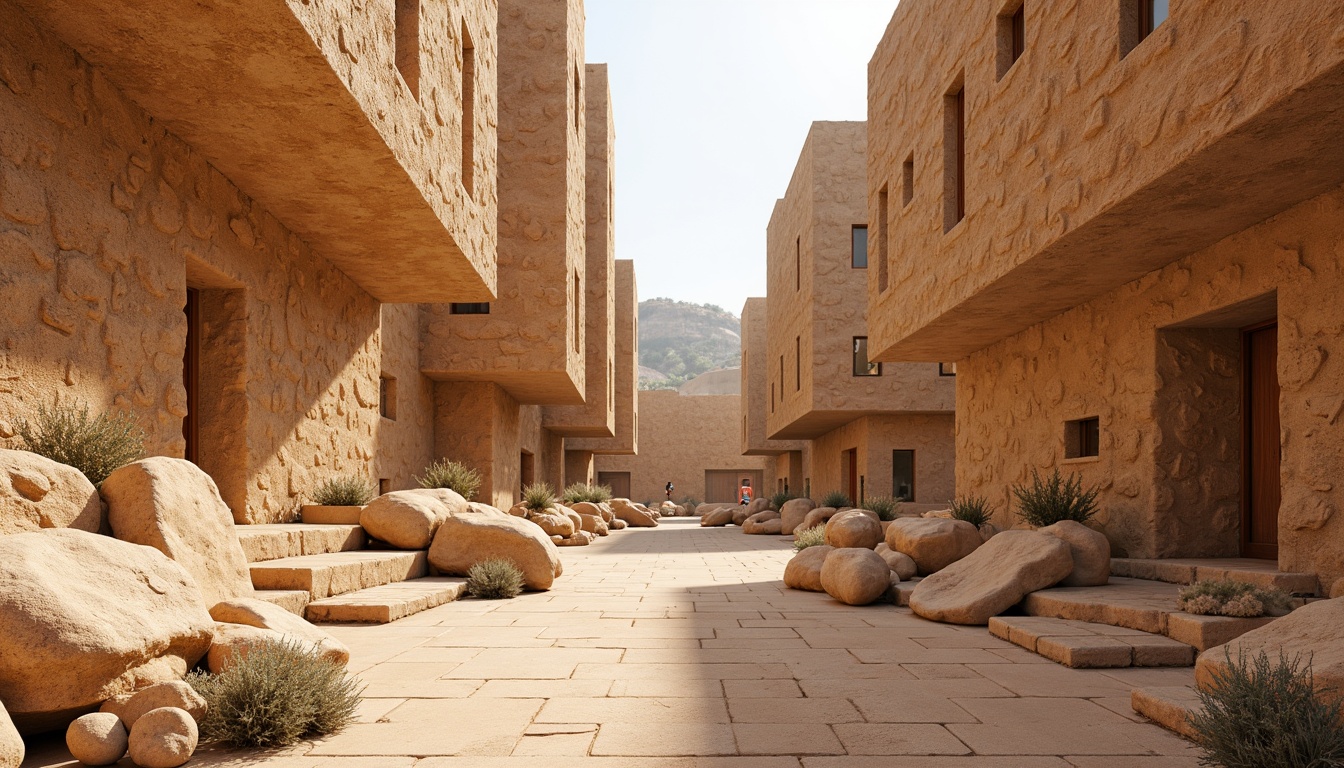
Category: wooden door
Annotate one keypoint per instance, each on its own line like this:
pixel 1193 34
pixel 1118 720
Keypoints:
pixel 618 482
pixel 191 375
pixel 1262 443
pixel 721 485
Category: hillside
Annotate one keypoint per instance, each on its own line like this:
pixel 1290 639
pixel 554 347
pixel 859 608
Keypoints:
pixel 680 340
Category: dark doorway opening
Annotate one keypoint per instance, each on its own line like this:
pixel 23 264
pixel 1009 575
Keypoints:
pixel 1262 442
pixel 191 376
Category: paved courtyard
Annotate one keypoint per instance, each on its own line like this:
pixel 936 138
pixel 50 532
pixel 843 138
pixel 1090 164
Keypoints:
pixel 679 647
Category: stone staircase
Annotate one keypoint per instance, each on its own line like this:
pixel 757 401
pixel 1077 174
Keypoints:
pixel 326 573
pixel 1261 573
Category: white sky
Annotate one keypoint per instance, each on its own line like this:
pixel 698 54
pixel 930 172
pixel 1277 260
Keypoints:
pixel 713 99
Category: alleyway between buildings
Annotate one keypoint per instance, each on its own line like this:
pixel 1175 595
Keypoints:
pixel 678 647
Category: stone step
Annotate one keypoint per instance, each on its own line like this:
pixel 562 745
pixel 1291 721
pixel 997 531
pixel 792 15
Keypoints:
pixel 1169 707
pixel 311 513
pixel 1084 645
pixel 387 603
pixel 337 573
pixel 292 600
pixel 1261 573
pixel 272 542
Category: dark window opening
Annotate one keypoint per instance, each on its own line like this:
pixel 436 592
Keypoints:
pixel 882 214
pixel 908 180
pixel 1139 19
pixel 1082 438
pixel 862 366
pixel 578 99
pixel 476 308
pixel 798 264
pixel 468 112
pixel 903 475
pixel 384 485
pixel 407 42
pixel 578 307
pixel 387 397
pixel 954 158
pixel 947 369
pixel 858 247
pixel 797 363
pixel 1012 38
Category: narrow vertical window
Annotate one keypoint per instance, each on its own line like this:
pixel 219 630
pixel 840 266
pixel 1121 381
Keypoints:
pixel 903 475
pixel 1138 20
pixel 468 112
pixel 882 237
pixel 798 264
pixel 1012 37
pixel 862 366
pixel 797 363
pixel 578 100
pixel 954 157
pixel 781 378
pixel 407 42
pixel 387 397
pixel 858 246
pixel 578 314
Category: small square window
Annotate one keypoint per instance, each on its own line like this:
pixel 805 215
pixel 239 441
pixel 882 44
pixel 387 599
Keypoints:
pixel 384 485
pixel 947 369
pixel 387 397
pixel 1082 438
pixel 862 366
pixel 475 308
pixel 858 247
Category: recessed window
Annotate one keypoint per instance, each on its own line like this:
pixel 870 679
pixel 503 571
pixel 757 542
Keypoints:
pixel 858 247
pixel 772 397
pixel 862 366
pixel 1138 20
pixel 473 308
pixel 1082 438
pixel 797 363
pixel 387 397
pixel 908 180
pixel 407 25
pixel 468 111
pixel 954 157
pixel 798 264
pixel 882 239
pixel 577 313
pixel 947 369
pixel 1012 37
pixel 903 475
pixel 578 99
pixel 781 378
pixel 384 485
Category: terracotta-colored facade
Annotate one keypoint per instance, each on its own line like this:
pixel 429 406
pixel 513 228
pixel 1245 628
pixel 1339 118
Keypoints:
pixel 625 402
pixel 1133 255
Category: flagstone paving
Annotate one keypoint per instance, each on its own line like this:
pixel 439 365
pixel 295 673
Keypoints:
pixel 678 647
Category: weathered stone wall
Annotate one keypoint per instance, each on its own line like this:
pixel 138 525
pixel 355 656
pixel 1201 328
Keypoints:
pixel 404 445
pixel 1156 361
pixel 626 403
pixel 874 438
pixel 755 386
pixel 107 219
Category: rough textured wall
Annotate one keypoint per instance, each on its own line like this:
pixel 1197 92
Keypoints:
pixel 825 200
pixel 626 440
pixel 404 445
pixel 597 416
pixel 930 436
pixel 532 341
pixel 1085 168
pixel 755 389
pixel 681 437
pixel 106 220
pixel 1166 453
pixel 578 467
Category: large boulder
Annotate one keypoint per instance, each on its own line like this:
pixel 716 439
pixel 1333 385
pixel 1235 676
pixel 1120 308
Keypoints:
pixel 163 738
pixel 1091 552
pixel 231 642
pixel 718 517
pixel 804 569
pixel 174 507
pixel 85 617
pixel 933 543
pixel 408 519
pixel 264 615
pixel 485 534
pixel 594 524
pixel 818 516
pixel 793 512
pixel 11 743
pixel 740 514
pixel 855 576
pixel 174 693
pixel 765 523
pixel 993 578
pixel 855 528
pixel 634 517
pixel 899 562
pixel 757 506
pixel 587 508
pixel 1314 633
pixel 36 493
pixel 552 523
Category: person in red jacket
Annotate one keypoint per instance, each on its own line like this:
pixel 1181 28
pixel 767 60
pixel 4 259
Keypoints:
pixel 744 493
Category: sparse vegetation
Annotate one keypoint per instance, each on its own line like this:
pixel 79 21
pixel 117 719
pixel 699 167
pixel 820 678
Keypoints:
pixel 95 446
pixel 344 491
pixel 275 695
pixel 494 579
pixel 812 537
pixel 836 499
pixel 886 507
pixel 973 509
pixel 538 496
pixel 1224 597
pixel 452 475
pixel 1046 501
pixel 590 492
pixel 1259 713
pixel 779 498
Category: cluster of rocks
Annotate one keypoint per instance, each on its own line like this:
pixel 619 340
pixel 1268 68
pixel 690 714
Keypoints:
pixel 757 518
pixel 109 596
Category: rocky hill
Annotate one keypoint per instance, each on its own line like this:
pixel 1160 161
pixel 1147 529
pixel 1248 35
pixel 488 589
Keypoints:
pixel 679 340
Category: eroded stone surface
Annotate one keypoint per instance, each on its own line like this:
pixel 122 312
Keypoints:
pixel 993 578
pixel 36 493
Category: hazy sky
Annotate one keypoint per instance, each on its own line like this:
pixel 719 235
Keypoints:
pixel 713 99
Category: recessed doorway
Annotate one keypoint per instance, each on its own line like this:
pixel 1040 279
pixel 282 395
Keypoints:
pixel 1262 442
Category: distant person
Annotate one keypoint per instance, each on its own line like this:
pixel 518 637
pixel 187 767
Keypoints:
pixel 668 490
pixel 744 493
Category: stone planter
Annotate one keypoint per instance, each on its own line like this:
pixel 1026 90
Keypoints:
pixel 325 515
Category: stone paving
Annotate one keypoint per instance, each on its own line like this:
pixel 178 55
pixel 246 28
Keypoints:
pixel 678 647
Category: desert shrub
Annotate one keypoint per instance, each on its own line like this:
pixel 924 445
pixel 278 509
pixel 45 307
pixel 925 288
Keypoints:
pixel 494 579
pixel 452 475
pixel 973 509
pixel 1259 713
pixel 1046 501
pixel 345 491
pixel 1223 597
pixel 810 538
pixel 886 507
pixel 836 499
pixel 779 498
pixel 95 446
pixel 275 695
pixel 597 494
pixel 538 496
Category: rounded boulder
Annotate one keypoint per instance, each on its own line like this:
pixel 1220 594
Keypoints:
pixel 793 512
pixel 98 738
pixel 264 615
pixel 804 569
pixel 932 542
pixel 624 510
pixel 855 528
pixel 163 738
pixel 765 523
pixel 716 518
pixel 993 578
pixel 855 576
pixel 486 533
pixel 36 493
pixel 899 562
pixel 1091 552
pixel 409 519
pixel 174 693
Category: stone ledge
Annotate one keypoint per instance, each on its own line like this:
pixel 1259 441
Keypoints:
pixel 1169 707
pixel 389 602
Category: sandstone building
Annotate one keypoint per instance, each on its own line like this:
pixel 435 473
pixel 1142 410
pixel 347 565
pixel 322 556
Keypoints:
pixel 867 429
pixel 1124 226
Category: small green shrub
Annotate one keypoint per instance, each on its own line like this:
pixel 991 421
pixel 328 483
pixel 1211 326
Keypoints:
pixel 538 496
pixel 810 538
pixel 1224 597
pixel 452 475
pixel 275 695
pixel 1047 501
pixel 95 446
pixel 494 579
pixel 579 492
pixel 780 498
pixel 886 507
pixel 836 499
pixel 973 509
pixel 346 491
pixel 1258 713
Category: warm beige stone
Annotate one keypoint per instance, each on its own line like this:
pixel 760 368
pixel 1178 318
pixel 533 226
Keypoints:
pixel 587 508
pixel 855 576
pixel 854 528
pixel 173 506
pixel 804 569
pixel 900 563
pixel 87 617
pixel 1090 550
pixel 817 516
pixel 163 738
pixel 11 744
pixel 36 493
pixel 408 519
pixel 593 524
pixel 617 525
pixel 233 641
pixel 757 506
pixel 1337 589
pixel 1314 632
pixel 553 525
pixel 794 512
pixel 264 615
pixel 767 523
pixel 174 693
pixel 993 578
pixel 626 511
pixel 740 515
pixel 717 517
pixel 933 543
pixel 98 738
pixel 626 372
pixel 755 388
pixel 464 540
